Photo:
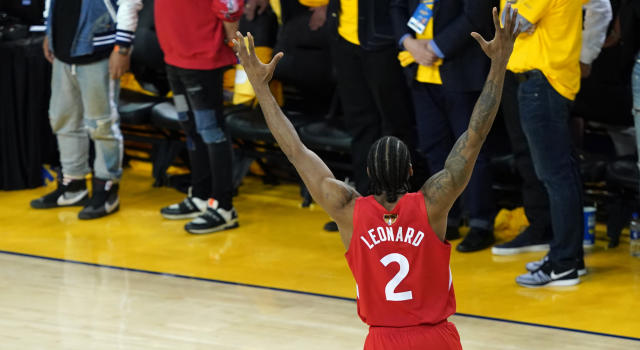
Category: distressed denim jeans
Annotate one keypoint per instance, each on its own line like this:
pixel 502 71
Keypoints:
pixel 84 105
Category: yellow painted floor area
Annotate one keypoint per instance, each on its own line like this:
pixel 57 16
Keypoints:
pixel 281 245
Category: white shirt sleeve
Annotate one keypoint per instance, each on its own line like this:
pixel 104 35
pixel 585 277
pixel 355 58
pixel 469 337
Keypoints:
pixel 45 13
pixel 127 21
pixel 598 14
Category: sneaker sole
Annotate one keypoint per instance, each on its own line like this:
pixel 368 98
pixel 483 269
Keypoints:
pixel 581 272
pixel 559 283
pixel 514 251
pixel 228 226
pixel 37 205
pixel 181 216
pixel 91 217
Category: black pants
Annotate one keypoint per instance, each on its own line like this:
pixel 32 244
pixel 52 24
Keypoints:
pixel 306 64
pixel 198 101
pixel 534 194
pixel 375 99
pixel 442 116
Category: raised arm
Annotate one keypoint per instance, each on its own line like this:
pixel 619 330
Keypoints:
pixel 334 196
pixel 444 187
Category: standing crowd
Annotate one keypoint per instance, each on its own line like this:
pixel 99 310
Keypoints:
pixel 403 68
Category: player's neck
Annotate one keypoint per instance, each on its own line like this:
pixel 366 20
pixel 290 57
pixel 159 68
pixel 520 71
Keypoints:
pixel 382 199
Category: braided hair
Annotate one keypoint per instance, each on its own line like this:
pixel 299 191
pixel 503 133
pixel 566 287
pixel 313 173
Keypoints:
pixel 388 166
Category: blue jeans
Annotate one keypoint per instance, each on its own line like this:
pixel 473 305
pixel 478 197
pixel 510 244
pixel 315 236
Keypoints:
pixel 84 105
pixel 441 117
pixel 545 121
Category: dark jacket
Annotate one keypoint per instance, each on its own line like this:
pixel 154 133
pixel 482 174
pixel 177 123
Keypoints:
pixel 465 66
pixel 374 25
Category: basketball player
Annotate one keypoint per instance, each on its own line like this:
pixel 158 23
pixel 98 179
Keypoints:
pixel 395 240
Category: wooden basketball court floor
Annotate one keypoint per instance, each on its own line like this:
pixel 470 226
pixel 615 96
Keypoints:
pixel 136 281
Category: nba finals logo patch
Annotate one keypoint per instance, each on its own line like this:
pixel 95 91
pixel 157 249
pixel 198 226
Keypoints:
pixel 390 219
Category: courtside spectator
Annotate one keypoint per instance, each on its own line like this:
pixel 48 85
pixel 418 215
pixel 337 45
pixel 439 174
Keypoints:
pixel 538 234
pixel 89 45
pixel 448 70
pixel 195 38
pixel 375 97
pixel 546 63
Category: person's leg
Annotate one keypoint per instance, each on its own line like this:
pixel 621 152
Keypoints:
pixel 545 122
pixel 477 198
pixel 204 92
pixel 65 116
pixel 360 116
pixel 100 102
pixel 197 149
pixel 435 139
pixel 392 96
pixel 196 202
pixel 65 113
pixel 534 195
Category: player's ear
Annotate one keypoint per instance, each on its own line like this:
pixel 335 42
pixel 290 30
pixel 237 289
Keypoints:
pixel 368 173
pixel 410 170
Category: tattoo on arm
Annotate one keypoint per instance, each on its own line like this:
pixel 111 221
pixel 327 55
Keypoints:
pixel 445 182
pixel 485 109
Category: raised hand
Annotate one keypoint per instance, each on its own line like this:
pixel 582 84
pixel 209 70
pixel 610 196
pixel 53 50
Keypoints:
pixel 257 72
pixel 499 49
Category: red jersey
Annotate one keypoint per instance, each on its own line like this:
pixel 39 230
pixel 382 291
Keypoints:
pixel 400 266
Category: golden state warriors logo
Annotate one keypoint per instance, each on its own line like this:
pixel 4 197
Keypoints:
pixel 390 219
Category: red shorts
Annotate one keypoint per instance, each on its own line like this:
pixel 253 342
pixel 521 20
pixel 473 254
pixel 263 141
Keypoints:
pixel 442 336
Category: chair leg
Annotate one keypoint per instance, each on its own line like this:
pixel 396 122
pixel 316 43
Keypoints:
pixel 306 195
pixel 619 214
pixel 164 154
pixel 241 164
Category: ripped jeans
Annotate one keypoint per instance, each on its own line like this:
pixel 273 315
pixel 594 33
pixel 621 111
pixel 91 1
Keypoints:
pixel 84 105
pixel 197 95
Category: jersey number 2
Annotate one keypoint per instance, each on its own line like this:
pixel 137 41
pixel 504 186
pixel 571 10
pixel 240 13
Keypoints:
pixel 390 289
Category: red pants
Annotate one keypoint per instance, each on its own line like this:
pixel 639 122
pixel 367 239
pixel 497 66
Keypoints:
pixel 443 336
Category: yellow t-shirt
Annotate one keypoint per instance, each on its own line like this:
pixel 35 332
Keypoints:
pixel 314 3
pixel 348 28
pixel 554 47
pixel 429 74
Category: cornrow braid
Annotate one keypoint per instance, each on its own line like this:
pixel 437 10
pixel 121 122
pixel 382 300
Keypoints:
pixel 389 162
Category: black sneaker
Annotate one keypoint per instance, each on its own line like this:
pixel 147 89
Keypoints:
pixel 526 241
pixel 536 265
pixel 69 193
pixel 104 201
pixel 476 239
pixel 545 276
pixel 213 219
pixel 190 207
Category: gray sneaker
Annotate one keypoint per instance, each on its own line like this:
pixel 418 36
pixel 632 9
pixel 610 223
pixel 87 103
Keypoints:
pixel 545 276
pixel 536 265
